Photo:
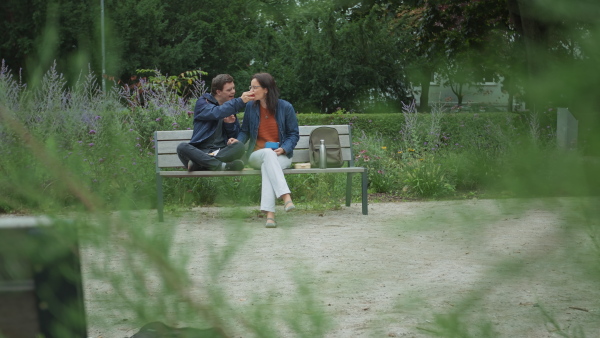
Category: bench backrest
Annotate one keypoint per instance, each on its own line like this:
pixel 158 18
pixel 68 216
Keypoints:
pixel 166 143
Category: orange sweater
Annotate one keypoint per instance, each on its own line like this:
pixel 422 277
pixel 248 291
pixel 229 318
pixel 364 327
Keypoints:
pixel 267 129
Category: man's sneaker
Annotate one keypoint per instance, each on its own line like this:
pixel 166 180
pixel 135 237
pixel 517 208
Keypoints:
pixel 190 166
pixel 234 165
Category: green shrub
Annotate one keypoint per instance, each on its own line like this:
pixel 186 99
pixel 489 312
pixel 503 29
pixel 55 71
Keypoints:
pixel 454 127
pixel 109 148
pixel 425 178
pixel 383 170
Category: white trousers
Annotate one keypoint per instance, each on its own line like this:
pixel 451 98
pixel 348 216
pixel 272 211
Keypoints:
pixel 273 180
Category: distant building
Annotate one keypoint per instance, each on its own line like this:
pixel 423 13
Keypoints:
pixel 483 96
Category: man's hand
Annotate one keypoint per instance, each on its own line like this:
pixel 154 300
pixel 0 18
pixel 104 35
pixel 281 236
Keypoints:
pixel 279 151
pixel 232 141
pixel 229 119
pixel 247 96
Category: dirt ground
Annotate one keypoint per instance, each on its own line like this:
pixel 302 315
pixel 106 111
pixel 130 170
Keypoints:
pixel 518 265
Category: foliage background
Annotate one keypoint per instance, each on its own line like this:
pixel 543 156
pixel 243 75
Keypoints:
pixel 109 148
pixel 336 59
pixel 356 55
pixel 66 147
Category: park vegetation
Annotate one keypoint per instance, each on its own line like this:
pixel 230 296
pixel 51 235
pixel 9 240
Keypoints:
pixel 70 149
pixel 106 141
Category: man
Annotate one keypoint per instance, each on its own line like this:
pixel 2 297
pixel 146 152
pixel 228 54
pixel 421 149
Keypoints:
pixel 215 124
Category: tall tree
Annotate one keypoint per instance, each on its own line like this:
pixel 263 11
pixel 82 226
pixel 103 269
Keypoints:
pixel 554 37
pixel 324 57
pixel 169 35
pixel 563 59
pixel 174 36
pixel 37 32
pixel 443 30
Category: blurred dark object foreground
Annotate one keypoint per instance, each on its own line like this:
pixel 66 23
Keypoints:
pixel 41 292
pixel 160 330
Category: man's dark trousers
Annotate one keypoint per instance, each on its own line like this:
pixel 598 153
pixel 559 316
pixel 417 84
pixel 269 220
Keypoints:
pixel 203 161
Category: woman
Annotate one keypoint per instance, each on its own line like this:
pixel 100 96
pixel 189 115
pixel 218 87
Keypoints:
pixel 272 128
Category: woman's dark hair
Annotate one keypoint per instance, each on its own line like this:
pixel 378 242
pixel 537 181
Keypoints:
pixel 268 82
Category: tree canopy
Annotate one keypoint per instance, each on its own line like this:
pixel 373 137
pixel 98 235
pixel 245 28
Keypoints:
pixel 324 54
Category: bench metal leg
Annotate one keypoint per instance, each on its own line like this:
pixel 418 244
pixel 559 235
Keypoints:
pixel 365 202
pixel 159 197
pixel 348 189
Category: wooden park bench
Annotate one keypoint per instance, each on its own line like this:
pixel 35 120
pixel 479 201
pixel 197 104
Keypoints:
pixel 166 142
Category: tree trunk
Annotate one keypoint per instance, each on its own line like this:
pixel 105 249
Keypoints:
pixel 425 84
pixel 535 38
pixel 458 92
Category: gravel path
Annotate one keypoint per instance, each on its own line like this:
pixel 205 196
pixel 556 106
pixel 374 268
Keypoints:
pixel 513 264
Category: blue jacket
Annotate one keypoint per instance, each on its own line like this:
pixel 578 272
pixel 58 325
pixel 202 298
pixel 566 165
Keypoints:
pixel 287 124
pixel 207 114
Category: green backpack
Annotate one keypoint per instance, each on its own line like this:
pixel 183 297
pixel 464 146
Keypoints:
pixel 332 146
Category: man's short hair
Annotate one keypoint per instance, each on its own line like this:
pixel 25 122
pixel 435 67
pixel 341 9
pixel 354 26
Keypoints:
pixel 219 81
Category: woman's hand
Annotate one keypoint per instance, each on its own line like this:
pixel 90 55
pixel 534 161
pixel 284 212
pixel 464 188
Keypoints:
pixel 232 141
pixel 279 151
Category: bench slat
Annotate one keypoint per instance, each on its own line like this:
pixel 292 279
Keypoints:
pixel 250 172
pixel 186 135
pixel 163 135
pixel 300 156
pixel 342 129
pixel 303 142
pixel 170 146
